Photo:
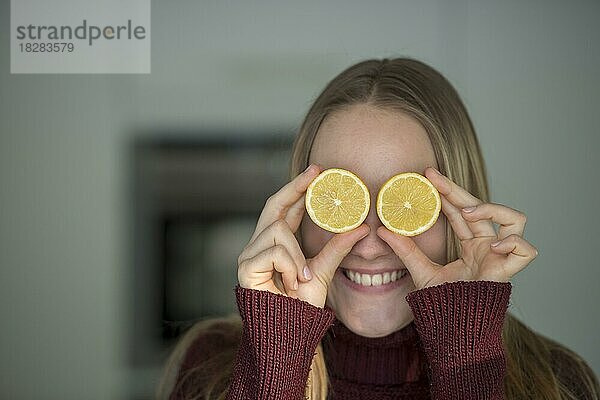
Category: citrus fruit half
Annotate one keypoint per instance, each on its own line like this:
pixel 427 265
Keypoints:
pixel 408 204
pixel 337 200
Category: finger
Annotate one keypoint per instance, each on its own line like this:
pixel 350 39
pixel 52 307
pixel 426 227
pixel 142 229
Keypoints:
pixel 418 264
pixel 274 258
pixel 458 223
pixel 511 221
pixel 295 214
pixel 520 253
pixel 324 264
pixel 278 233
pixel 277 205
pixel 281 287
pixel 460 198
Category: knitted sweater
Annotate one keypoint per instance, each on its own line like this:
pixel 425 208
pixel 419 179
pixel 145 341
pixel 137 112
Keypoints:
pixel 452 350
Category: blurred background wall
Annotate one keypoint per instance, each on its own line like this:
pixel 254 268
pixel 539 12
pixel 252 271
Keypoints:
pixel 527 71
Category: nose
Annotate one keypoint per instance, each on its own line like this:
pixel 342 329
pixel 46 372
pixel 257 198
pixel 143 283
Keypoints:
pixel 372 246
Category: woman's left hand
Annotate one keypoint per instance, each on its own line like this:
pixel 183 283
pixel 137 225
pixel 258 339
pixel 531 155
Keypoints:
pixel 479 259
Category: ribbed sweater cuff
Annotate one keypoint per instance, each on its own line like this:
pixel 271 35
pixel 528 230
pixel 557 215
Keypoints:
pixel 279 338
pixel 460 326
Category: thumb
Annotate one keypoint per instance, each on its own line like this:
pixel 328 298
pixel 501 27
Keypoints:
pixel 420 267
pixel 324 264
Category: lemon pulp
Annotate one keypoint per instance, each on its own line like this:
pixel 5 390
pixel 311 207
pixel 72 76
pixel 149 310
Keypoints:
pixel 408 204
pixel 337 200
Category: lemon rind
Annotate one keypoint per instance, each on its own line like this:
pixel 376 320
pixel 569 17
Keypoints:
pixel 421 229
pixel 311 211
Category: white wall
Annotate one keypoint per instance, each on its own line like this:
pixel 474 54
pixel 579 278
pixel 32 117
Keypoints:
pixel 526 70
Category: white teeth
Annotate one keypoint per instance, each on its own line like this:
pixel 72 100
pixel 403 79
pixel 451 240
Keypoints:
pixel 365 279
pixel 386 278
pixel 375 280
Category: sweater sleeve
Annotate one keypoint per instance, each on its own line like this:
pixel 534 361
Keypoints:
pixel 279 339
pixel 460 326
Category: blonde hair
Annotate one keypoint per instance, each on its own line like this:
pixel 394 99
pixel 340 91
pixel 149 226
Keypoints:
pixel 416 89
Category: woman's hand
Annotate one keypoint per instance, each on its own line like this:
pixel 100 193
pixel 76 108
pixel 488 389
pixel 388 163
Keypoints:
pixel 481 258
pixel 273 261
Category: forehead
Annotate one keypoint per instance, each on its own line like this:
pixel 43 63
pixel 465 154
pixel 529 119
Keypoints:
pixel 373 143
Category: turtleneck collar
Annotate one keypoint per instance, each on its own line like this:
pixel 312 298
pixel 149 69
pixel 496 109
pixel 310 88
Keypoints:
pixel 393 359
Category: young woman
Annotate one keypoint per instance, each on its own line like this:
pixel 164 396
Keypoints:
pixel 437 328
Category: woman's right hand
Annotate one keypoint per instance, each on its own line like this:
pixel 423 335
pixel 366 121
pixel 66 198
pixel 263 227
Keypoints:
pixel 273 261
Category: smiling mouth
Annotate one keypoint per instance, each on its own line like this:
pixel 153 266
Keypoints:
pixel 375 279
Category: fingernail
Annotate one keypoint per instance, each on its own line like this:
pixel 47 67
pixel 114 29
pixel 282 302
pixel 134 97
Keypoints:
pixel 307 273
pixel 469 209
pixel 295 285
pixel 494 244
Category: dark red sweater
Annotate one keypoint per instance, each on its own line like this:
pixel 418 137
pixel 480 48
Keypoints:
pixel 452 350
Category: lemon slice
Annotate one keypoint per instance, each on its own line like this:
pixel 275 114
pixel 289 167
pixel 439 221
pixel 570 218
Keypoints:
pixel 337 200
pixel 408 204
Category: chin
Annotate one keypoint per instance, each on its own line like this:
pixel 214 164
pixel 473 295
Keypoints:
pixel 374 326
pixel 370 314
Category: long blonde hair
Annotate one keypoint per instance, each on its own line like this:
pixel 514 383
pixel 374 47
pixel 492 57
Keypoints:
pixel 414 88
